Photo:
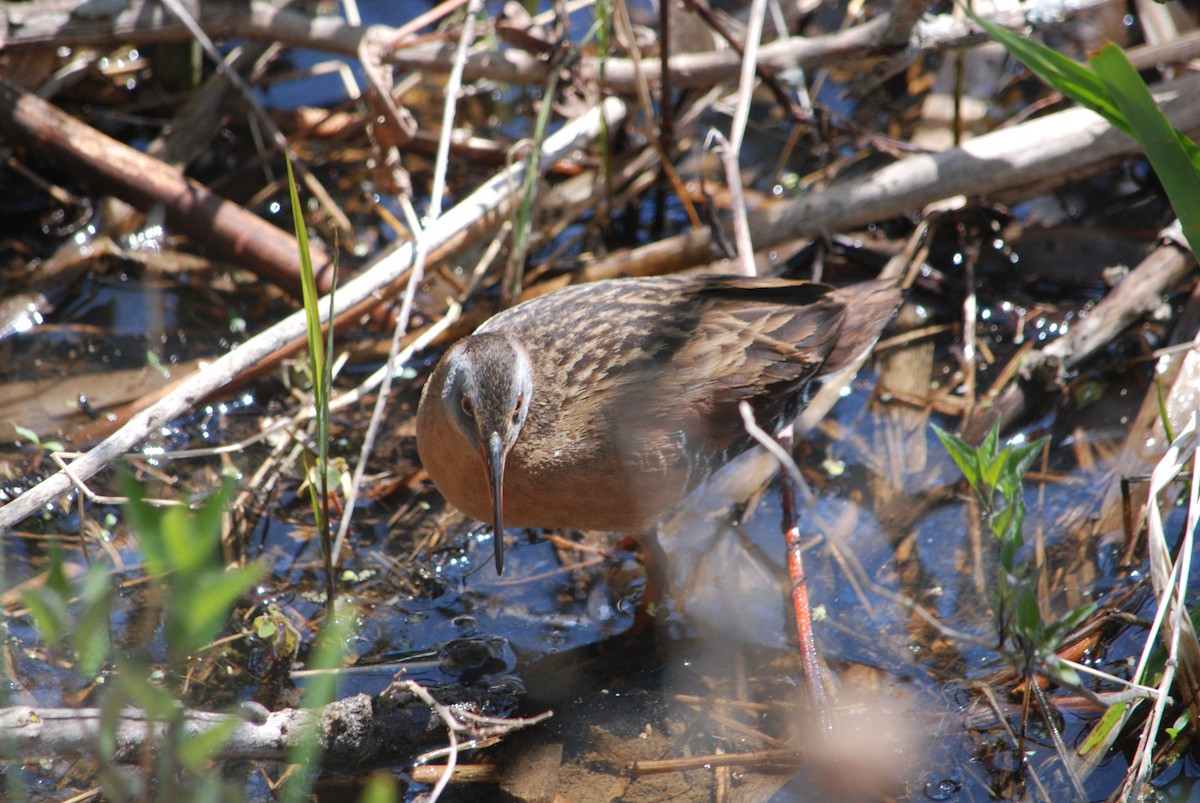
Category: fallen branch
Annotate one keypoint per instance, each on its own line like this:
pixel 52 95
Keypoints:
pixel 225 228
pixel 355 732
pixel 145 21
pixel 1010 163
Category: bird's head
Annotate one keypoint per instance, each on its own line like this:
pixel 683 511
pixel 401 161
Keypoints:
pixel 488 388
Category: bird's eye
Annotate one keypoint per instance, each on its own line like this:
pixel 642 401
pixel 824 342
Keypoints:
pixel 516 416
pixel 468 406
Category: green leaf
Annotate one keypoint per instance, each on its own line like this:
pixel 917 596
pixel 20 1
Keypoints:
pixel 158 704
pixel 1158 658
pixel 1063 674
pixel 1028 617
pixel 26 433
pixel 91 637
pixel 207 521
pixel 319 365
pixel 92 647
pixel 50 614
pixel 175 539
pixel 146 522
pixel 1102 731
pixel 265 627
pixel 1180 724
pixel 1006 526
pixel 380 788
pixel 327 654
pixel 1164 417
pixel 97 587
pixel 111 706
pixel 1175 158
pixel 287 644
pixel 308 284
pixel 1116 91
pixel 203 611
pixel 992 468
pixel 1008 552
pixel 155 364
pixel 989 448
pixel 188 548
pixel 56 576
pixel 1073 620
pixel 1023 458
pixel 964 456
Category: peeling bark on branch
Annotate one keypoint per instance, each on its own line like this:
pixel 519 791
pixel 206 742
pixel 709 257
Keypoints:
pixel 357 732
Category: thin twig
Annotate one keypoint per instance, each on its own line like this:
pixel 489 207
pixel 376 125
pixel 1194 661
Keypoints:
pixel 418 271
pixel 733 180
pixel 758 13
pixel 459 720
pixel 624 24
pixel 731 151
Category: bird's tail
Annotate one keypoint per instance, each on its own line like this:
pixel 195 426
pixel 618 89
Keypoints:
pixel 869 308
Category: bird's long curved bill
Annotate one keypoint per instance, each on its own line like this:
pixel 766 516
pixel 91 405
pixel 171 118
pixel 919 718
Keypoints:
pixel 493 457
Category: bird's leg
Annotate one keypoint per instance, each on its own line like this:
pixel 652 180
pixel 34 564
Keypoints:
pixel 654 562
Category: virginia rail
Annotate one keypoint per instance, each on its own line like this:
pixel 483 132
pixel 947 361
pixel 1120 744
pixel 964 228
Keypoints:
pixel 601 406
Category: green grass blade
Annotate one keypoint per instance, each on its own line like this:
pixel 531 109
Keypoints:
pixel 316 346
pixel 308 284
pixel 1164 417
pixel 1114 90
pixel 533 173
pixel 1175 158
pixel 603 28
pixel 329 650
pixel 1067 76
